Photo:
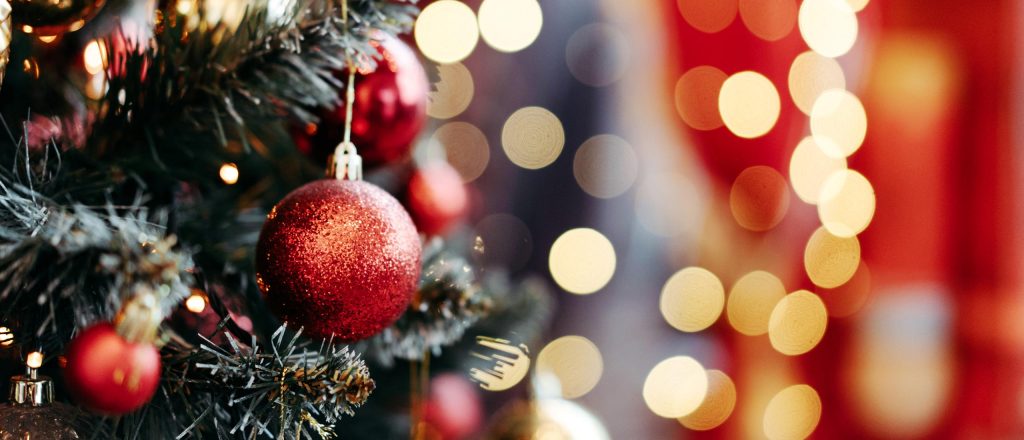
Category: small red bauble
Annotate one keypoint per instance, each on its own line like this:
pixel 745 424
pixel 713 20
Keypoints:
pixel 108 374
pixel 437 198
pixel 389 111
pixel 338 257
pixel 454 408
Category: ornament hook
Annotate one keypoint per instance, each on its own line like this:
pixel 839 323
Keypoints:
pixel 345 163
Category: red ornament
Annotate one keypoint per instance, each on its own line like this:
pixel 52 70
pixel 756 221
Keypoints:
pixel 108 374
pixel 389 111
pixel 437 198
pixel 338 257
pixel 454 408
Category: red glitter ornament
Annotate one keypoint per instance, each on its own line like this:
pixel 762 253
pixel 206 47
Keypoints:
pixel 338 257
pixel 437 198
pixel 108 374
pixel 389 110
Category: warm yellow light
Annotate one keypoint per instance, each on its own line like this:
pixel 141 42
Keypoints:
pixel 34 359
pixel 792 414
pixel 597 54
pixel 797 323
pixel 809 167
pixel 94 56
pixel 846 204
pixel 196 302
pixel 507 364
pixel 6 337
pixel 185 7
pixel 96 87
pixel 47 39
pixel 849 298
pixel 770 20
pixel 510 25
pixel 749 104
pixel 446 31
pixel 582 261
pixel 751 301
pixel 454 92
pixel 829 27
pixel 574 361
pixel 831 261
pixel 810 75
pixel 675 387
pixel 465 147
pixel 858 5
pixel 696 97
pixel 692 299
pixel 838 123
pixel 532 137
pixel 759 198
pixel 605 166
pixel 717 405
pixel 229 173
pixel 708 15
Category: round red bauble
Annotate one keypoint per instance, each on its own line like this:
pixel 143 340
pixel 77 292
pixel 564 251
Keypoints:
pixel 338 257
pixel 454 408
pixel 388 113
pixel 108 374
pixel 437 199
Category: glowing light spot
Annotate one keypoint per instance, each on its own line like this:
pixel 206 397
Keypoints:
pixel 185 7
pixel 532 137
pixel 846 204
pixel 229 173
pixel 675 387
pixel 93 56
pixel 597 54
pixel 506 364
pixel 717 405
pixel 708 15
pixel 575 361
pixel 829 27
pixel 510 25
pixel 752 300
pixel 454 92
pixel 582 261
pixel 809 167
pixel 792 414
pixel 810 75
pixel 6 337
pixel 697 97
pixel 838 123
pixel 692 299
pixel 196 302
pixel 34 359
pixel 605 166
pixel 858 5
pixel 503 241
pixel 97 86
pixel 770 20
pixel 797 323
pixel 831 261
pixel 660 217
pixel 465 147
pixel 47 39
pixel 446 31
pixel 849 298
pixel 749 104
pixel 759 198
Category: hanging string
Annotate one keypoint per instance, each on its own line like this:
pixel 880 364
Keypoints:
pixel 346 163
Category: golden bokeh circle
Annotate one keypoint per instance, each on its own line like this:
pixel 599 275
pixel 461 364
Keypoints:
pixel 829 27
pixel 692 299
pixel 605 166
pixel 575 361
pixel 858 5
pixel 696 97
pixel 228 173
pixel 597 54
pixel 453 92
pixel 797 323
pixel 792 414
pixel 831 261
pixel 465 148
pixel 708 15
pixel 838 122
pixel 532 137
pixel 446 31
pixel 752 300
pixel 510 25
pixel 846 204
pixel 749 104
pixel 675 387
pixel 717 405
pixel 809 167
pixel 759 198
pixel 582 261
pixel 810 75
pixel 770 20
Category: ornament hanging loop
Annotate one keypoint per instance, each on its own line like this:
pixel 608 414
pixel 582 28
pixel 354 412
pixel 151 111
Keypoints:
pixel 345 163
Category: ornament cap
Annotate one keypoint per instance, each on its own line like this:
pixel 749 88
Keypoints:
pixel 345 163
pixel 34 391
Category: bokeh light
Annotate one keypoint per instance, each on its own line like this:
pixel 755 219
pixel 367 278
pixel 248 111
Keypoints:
pixel 94 56
pixel 6 337
pixel 446 31
pixel 717 405
pixel 465 148
pixel 196 302
pixel 582 261
pixel 692 299
pixel 831 261
pixel 575 361
pixel 809 167
pixel 792 414
pixel 597 54
pixel 749 104
pixel 752 300
pixel 229 173
pixel 810 75
pixel 675 387
pixel 453 92
pixel 507 364
pixel 849 298
pixel 532 137
pixel 770 20
pixel 759 198
pixel 708 15
pixel 829 27
pixel 34 359
pixel 696 97
pixel 838 123
pixel 846 204
pixel 858 5
pixel 605 166
pixel 797 323
pixel 510 25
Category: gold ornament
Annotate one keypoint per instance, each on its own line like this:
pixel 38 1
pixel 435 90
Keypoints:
pixel 5 37
pixel 49 17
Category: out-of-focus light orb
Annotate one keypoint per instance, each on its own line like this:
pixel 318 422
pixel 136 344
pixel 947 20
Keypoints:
pixel 47 39
pixel 696 97
pixel 582 261
pixel 196 302
pixel 846 204
pixel 749 104
pixel 759 198
pixel 574 361
pixel 770 20
pixel 558 419
pixel 858 5
pixel 34 359
pixel 692 299
pixel 669 204
pixel 454 92
pixel 507 364
pixel 94 56
pixel 809 167
pixel 97 86
pixel 675 387
pixel 597 54
pixel 510 25
pixel 503 241
pixel 6 337
pixel 829 27
pixel 792 414
pixel 465 147
pixel 810 75
pixel 831 261
pixel 605 166
pixel 838 122
pixel 849 298
pixel 229 173
pixel 446 31
pixel 752 300
pixel 708 15
pixel 797 323
pixel 532 137
pixel 717 405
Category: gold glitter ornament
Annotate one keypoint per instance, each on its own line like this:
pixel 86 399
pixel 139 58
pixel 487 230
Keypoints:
pixel 48 17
